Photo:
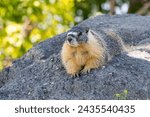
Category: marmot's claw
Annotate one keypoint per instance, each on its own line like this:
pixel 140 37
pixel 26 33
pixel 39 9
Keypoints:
pixel 74 75
pixel 85 71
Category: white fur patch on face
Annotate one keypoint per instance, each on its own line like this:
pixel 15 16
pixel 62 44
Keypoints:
pixel 72 33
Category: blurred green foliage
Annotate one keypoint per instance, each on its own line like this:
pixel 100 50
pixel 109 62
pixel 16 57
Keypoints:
pixel 24 23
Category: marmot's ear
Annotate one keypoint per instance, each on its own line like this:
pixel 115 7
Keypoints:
pixel 92 32
pixel 86 29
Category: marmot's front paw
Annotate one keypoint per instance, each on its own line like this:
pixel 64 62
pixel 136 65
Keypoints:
pixel 73 71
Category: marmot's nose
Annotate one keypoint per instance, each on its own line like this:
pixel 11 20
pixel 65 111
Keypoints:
pixel 69 39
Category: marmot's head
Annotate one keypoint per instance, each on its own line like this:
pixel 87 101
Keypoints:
pixel 77 36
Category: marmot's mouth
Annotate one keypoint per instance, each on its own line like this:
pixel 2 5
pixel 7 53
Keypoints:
pixel 73 44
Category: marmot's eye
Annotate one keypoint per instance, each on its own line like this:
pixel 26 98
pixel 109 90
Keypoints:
pixel 80 33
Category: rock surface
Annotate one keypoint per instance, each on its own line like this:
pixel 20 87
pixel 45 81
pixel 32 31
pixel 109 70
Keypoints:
pixel 39 74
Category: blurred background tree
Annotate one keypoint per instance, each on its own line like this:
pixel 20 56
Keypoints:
pixel 24 23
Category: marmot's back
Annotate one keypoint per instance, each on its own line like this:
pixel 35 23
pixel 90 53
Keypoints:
pixel 114 43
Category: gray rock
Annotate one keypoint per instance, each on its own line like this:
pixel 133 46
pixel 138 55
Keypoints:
pixel 39 74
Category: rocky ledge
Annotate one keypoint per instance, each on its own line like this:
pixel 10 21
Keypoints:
pixel 39 74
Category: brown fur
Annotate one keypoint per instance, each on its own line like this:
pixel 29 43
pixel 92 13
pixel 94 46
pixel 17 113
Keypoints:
pixel 85 57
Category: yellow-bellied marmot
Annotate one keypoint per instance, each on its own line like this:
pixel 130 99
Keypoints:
pixel 84 50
